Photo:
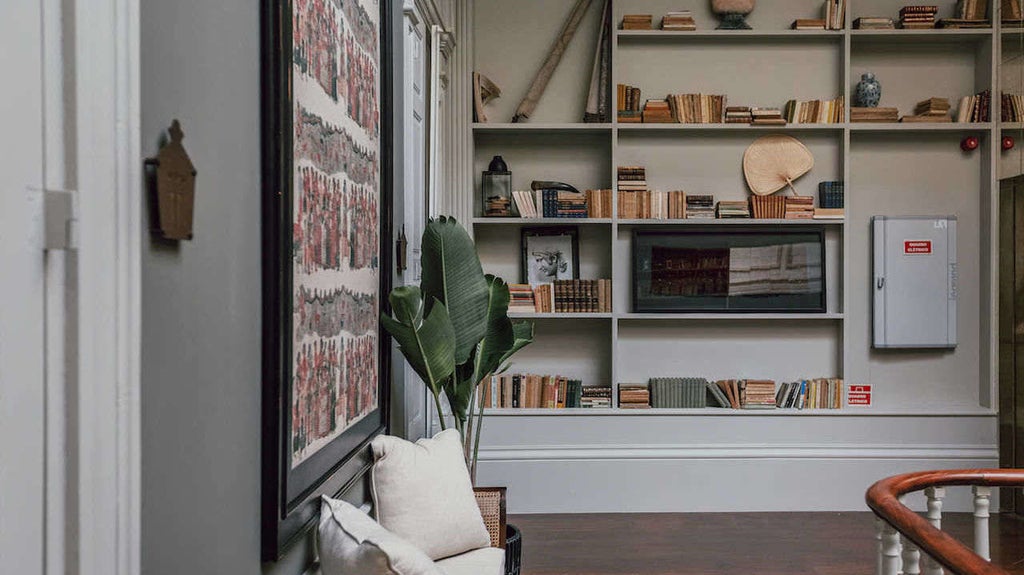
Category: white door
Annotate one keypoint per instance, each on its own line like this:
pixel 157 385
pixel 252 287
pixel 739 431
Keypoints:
pixel 414 189
pixel 22 372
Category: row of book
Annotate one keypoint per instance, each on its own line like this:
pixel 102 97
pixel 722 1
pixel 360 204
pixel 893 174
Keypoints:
pixel 830 195
pixel 678 205
pixel 976 108
pixel 835 14
pixel 562 296
pixel 815 111
pixel 677 20
pixel 652 205
pixel 698 392
pixel 696 108
pixel 531 391
pixel 562 204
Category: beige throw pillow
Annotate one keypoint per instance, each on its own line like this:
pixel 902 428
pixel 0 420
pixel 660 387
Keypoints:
pixel 422 493
pixel 352 542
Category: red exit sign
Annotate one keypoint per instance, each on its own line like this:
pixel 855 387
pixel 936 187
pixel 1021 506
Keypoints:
pixel 917 247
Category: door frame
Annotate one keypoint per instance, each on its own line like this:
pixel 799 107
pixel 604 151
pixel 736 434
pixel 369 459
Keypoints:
pixel 109 189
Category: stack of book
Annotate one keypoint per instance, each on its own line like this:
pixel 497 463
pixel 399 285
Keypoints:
pixel 858 114
pixel 498 207
pixel 830 195
pixel 757 394
pixel 731 209
pixel 799 207
pixel 652 205
pixel 700 206
pixel 810 394
pixel 816 111
pixel 809 24
pixel 530 391
pixel 657 112
pixel 918 17
pixel 969 14
pixel 829 213
pixel 543 298
pixel 768 207
pixel 583 296
pixel 681 20
pixel 599 203
pixel 634 397
pixel 738 115
pixel 637 21
pixel 521 299
pixel 631 179
pixel 697 108
pixel 835 14
pixel 1013 108
pixel 596 397
pixel 975 108
pixel 930 110
pixel 628 104
pixel 678 392
pixel 874 23
pixel 767 117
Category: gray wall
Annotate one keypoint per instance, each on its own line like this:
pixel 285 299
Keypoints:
pixel 201 300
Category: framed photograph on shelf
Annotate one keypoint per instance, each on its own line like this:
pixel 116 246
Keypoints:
pixel 326 203
pixel 550 253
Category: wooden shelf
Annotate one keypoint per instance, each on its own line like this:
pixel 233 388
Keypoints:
pixel 729 222
pixel 920 127
pixel 540 127
pixel 539 316
pixel 739 316
pixel 539 221
pixel 933 35
pixel 676 127
pixel 739 35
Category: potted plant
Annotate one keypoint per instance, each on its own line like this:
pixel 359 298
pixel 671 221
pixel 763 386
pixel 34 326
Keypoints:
pixel 454 328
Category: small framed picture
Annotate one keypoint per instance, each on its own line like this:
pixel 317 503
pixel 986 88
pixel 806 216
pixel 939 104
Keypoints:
pixel 550 253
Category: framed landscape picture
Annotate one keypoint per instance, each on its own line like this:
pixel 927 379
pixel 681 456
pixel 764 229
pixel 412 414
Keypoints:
pixel 550 253
pixel 326 261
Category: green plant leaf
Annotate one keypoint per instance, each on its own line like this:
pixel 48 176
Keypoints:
pixel 428 344
pixel 452 275
pixel 500 336
pixel 523 337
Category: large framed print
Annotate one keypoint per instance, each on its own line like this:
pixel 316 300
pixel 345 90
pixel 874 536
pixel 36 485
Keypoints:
pixel 326 262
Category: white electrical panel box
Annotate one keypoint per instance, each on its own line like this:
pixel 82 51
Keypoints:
pixel 915 281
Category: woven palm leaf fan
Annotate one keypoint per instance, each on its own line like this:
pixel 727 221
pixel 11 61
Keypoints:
pixel 773 162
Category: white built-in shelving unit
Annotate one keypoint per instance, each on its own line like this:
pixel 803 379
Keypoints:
pixel 888 169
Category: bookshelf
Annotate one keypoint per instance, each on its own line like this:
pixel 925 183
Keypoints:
pixel 889 169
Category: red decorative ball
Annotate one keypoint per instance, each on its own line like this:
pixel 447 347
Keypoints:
pixel 970 143
pixel 1008 143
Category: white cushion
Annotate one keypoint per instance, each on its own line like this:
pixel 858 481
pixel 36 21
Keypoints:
pixel 352 542
pixel 489 561
pixel 422 493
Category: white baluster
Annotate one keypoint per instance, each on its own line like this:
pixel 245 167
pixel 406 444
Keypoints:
pixel 879 530
pixel 935 496
pixel 911 558
pixel 982 502
pixel 891 562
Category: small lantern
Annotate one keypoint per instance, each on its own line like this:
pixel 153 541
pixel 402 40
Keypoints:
pixel 496 189
pixel 175 188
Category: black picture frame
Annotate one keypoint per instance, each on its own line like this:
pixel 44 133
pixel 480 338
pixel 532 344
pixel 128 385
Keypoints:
pixel 637 268
pixel 526 233
pixel 290 497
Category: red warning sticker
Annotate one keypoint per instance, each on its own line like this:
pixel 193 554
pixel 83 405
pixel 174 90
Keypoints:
pixel 917 247
pixel 859 395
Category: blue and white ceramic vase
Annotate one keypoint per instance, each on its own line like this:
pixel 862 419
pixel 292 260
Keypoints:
pixel 869 91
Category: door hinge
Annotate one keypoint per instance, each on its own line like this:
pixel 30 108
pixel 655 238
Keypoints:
pixel 61 220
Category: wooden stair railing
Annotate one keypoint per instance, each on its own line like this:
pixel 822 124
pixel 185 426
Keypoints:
pixel 923 533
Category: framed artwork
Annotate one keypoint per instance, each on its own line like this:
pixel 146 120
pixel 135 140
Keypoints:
pixel 326 262
pixel 550 253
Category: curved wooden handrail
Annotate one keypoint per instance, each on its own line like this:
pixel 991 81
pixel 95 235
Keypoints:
pixel 883 499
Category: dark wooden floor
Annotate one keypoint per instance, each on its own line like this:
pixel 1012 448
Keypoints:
pixel 727 543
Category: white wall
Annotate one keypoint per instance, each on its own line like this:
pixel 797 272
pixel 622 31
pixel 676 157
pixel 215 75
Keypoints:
pixel 201 380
